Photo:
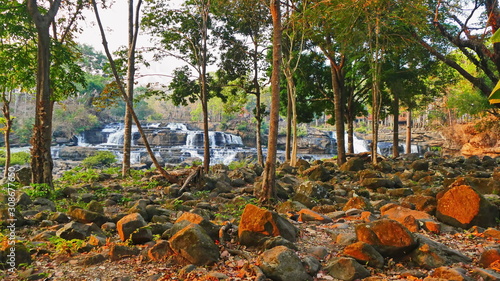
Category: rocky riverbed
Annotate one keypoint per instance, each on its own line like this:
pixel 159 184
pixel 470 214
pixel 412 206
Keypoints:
pixel 412 218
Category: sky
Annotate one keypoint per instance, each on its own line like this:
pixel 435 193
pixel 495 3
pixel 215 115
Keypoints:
pixel 115 22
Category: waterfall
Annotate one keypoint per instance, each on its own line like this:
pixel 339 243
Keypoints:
pixel 81 141
pixel 177 127
pixel 117 137
pixel 360 145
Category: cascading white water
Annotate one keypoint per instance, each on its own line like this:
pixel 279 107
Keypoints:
pixel 360 145
pixel 177 126
pixel 81 141
pixel 117 137
pixel 224 147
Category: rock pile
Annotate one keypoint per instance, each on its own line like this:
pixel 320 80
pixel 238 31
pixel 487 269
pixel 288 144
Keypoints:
pixel 405 219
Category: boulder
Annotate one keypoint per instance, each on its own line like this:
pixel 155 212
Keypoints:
pixel 23 175
pixel 409 218
pixel 353 164
pixel 194 244
pixel 359 202
pixel 8 216
pixel 365 254
pixel 86 216
pixel 317 173
pixel 290 207
pixel 257 223
pixel 430 254
pixel 14 255
pixel 462 206
pixel 346 269
pixel 282 264
pixel 489 256
pixel 422 203
pixel 451 274
pixel 133 226
pixel 374 183
pixel 306 215
pixel 161 251
pixel 388 237
pixel 117 252
pixel 210 228
pixel 485 274
pixel 311 189
pixel 74 230
pixel 420 165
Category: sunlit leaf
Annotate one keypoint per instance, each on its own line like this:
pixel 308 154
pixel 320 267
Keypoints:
pixel 495 94
pixel 496 37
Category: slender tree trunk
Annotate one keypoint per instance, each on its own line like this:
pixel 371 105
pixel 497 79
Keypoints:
pixel 291 115
pixel 204 90
pixel 339 110
pixel 295 144
pixel 41 160
pixel 350 124
pixel 258 108
pixel 408 132
pixel 258 132
pixel 376 54
pixel 127 135
pixel 6 97
pixel 124 95
pixel 268 190
pixel 288 144
pixel 395 131
pixel 350 135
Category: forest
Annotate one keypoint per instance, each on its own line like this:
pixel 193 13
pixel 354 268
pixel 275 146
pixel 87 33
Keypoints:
pixel 265 67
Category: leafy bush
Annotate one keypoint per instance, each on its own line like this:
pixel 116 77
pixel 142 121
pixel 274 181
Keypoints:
pixel 102 158
pixel 43 190
pixel 17 158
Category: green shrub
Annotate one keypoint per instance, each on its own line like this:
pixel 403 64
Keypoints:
pixel 16 158
pixel 102 158
pixel 43 190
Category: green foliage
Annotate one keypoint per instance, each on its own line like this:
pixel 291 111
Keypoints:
pixel 63 246
pixel 237 164
pixel 72 119
pixel 17 158
pixel 24 129
pixel 102 158
pixel 79 175
pixel 468 102
pixel 363 129
pixel 42 190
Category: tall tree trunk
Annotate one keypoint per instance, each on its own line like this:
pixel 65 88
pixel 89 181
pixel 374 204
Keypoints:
pixel 268 190
pixel 408 132
pixel 350 124
pixel 258 132
pixel 295 144
pixel 204 90
pixel 350 135
pixel 258 108
pixel 127 135
pixel 338 92
pixel 395 131
pixel 292 112
pixel 6 97
pixel 288 144
pixel 376 55
pixel 41 160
